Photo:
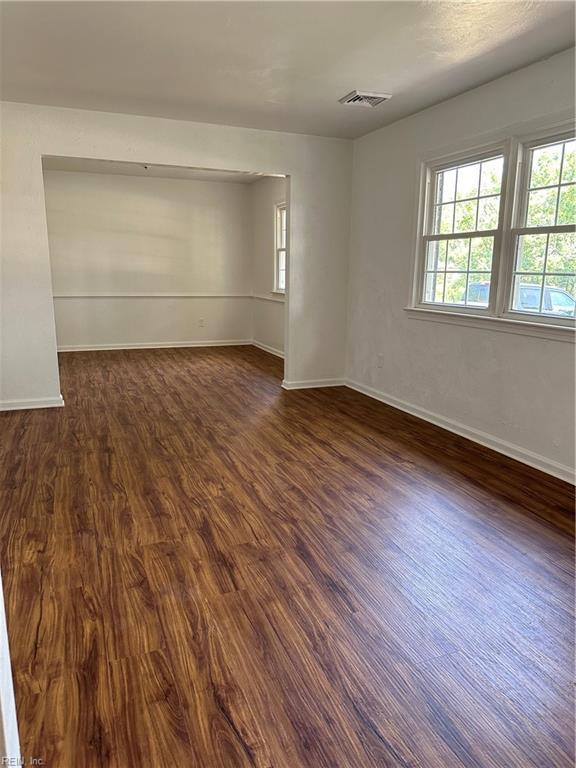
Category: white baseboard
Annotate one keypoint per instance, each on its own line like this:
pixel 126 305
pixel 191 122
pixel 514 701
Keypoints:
pixel 313 383
pixel 152 345
pixel 35 402
pixel 168 345
pixel 490 441
pixel 266 348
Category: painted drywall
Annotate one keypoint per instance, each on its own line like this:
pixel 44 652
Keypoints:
pixel 118 242
pixel 130 234
pixel 511 388
pixel 268 324
pixel 108 323
pixel 268 310
pixel 320 194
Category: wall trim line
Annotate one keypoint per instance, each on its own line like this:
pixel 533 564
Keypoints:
pixel 152 345
pixel 153 296
pixel 513 451
pixel 313 383
pixel 34 402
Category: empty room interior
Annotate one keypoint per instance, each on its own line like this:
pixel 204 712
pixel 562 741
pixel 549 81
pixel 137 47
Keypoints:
pixel 287 384
pixel 158 256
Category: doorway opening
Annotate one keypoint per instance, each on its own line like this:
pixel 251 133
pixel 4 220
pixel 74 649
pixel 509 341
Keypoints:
pixel 145 255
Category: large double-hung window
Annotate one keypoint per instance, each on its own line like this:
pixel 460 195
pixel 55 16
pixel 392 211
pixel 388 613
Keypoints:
pixel 497 233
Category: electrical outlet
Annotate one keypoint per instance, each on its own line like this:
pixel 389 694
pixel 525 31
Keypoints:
pixel 202 322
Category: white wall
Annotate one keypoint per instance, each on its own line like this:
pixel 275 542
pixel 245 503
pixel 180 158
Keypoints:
pixel 117 243
pixel 106 323
pixel 319 186
pixel 268 310
pixel 110 233
pixel 516 391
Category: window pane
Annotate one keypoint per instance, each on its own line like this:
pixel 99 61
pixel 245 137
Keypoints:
pixel 569 167
pixel 468 181
pixel 531 253
pixel 444 219
pixel 491 176
pixel 488 210
pixel 465 218
pixel 445 186
pixel 546 166
pixel 561 252
pixel 541 208
pixel 552 289
pixel 281 227
pixel 429 286
pixel 281 280
pixel 281 260
pixel 478 290
pixel 458 271
pixel 434 287
pixel 567 205
pixel 481 249
pixel 527 293
pixel 462 185
pixel 560 296
pixel 455 288
pixel 436 256
pixel 458 254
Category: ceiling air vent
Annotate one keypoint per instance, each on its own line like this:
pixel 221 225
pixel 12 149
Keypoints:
pixel 365 98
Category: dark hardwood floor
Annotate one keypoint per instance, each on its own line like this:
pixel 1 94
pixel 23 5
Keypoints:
pixel 204 570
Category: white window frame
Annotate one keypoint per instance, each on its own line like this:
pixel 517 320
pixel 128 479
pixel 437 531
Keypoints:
pixel 278 208
pixel 514 149
pixel 426 231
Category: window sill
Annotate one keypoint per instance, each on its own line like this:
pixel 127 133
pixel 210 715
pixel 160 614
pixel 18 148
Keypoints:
pixel 507 325
pixel 276 296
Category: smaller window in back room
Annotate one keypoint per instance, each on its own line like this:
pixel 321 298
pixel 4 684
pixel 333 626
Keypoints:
pixel 280 254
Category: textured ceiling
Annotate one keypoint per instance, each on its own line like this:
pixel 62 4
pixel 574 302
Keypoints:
pixel 271 65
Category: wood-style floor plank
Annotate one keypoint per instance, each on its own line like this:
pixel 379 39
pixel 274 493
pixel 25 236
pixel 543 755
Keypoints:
pixel 203 569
